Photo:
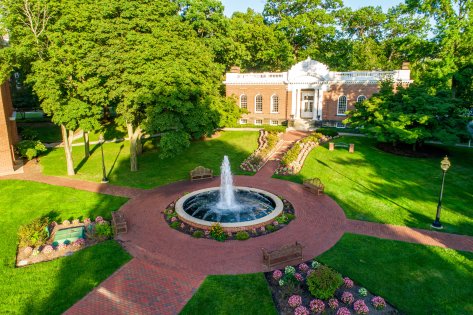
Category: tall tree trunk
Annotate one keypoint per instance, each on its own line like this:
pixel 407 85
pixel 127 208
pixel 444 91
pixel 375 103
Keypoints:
pixel 67 140
pixel 133 135
pixel 139 145
pixel 86 144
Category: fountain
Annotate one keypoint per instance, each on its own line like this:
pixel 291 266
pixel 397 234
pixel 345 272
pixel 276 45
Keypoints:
pixel 234 207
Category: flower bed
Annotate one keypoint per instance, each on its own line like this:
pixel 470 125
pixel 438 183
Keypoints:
pixel 291 290
pixel 216 232
pixel 294 158
pixel 37 243
pixel 267 143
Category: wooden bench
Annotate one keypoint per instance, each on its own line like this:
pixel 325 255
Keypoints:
pixel 314 185
pixel 118 222
pixel 284 254
pixel 201 172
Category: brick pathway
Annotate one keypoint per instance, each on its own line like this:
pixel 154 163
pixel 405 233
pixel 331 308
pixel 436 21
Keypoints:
pixel 168 266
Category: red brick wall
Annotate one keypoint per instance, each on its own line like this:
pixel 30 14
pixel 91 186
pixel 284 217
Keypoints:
pixel 351 91
pixel 8 132
pixel 266 91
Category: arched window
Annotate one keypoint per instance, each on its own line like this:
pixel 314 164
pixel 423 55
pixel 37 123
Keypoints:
pixel 243 101
pixel 361 98
pixel 258 104
pixel 274 104
pixel 342 105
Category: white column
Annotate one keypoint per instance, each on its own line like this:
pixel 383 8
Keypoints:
pixel 298 104
pixel 294 98
pixel 320 104
pixel 315 108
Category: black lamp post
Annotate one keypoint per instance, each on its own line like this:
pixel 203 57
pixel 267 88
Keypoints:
pixel 104 178
pixel 444 165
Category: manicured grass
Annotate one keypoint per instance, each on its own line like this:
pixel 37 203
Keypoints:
pixel 154 171
pixel 373 185
pixel 234 294
pixel 416 279
pixel 51 287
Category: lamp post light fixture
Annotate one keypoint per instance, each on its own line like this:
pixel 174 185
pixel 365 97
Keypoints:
pixel 104 172
pixel 444 165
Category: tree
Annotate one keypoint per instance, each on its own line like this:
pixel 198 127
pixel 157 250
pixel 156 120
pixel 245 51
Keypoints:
pixel 410 115
pixel 305 22
pixel 262 46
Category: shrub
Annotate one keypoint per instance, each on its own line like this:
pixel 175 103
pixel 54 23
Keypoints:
pixel 98 219
pixel 363 291
pixel 174 225
pixel 30 148
pixel 347 298
pixel 270 228
pixel 277 274
pixel 34 234
pixel 242 235
pixel 103 231
pixel 289 270
pixel 343 311
pixel 315 264
pixel 348 282
pixel 333 304
pixel 217 232
pixel 303 267
pixel 378 302
pixel 198 234
pixel 48 249
pixel 360 307
pixel 323 282
pixel 317 306
pixel 301 310
pixel 28 133
pixel 327 132
pixel 298 277
pixel 294 301
pixel 291 155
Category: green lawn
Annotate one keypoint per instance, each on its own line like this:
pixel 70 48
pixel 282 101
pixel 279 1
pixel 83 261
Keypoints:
pixel 239 294
pixel 373 185
pixel 51 287
pixel 154 171
pixel 416 279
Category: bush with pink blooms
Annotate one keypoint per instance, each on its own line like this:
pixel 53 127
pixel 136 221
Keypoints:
pixel 347 298
pixel 79 242
pixel 294 301
pixel 277 274
pixel 301 310
pixel 360 307
pixel 317 306
pixel 48 249
pixel 333 303
pixel 299 277
pixel 378 302
pixel 343 311
pixel 98 219
pixel 303 267
pixel 348 283
pixel 87 221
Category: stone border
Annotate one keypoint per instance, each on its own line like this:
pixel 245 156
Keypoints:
pixel 229 227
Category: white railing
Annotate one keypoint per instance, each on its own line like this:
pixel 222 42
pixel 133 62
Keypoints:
pixel 402 75
pixel 253 77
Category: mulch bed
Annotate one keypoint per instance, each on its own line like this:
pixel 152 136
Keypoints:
pixel 281 295
pixel 171 217
pixel 425 151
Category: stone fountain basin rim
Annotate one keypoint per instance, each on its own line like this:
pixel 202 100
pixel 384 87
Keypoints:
pixel 184 216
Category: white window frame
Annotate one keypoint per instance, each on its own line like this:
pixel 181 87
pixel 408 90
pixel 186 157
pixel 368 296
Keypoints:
pixel 358 98
pixel 342 98
pixel 246 101
pixel 258 122
pixel 243 121
pixel 256 97
pixel 274 122
pixel 272 104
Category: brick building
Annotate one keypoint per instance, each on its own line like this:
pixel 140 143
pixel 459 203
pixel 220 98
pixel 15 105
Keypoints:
pixel 8 131
pixel 307 95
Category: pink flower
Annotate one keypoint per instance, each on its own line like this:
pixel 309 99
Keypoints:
pixel 303 267
pixel 317 306
pixel 343 311
pixel 98 219
pixel 173 219
pixel 360 307
pixel 301 310
pixel 378 302
pixel 348 282
pixel 333 303
pixel 207 233
pixel 347 298
pixel 275 223
pixel 48 249
pixel 87 221
pixel 298 277
pixel 295 301
pixel 262 229
pixel 183 225
pixel 277 274
pixel 310 271
pixel 61 246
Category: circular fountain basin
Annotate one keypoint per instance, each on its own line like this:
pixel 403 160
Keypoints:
pixel 255 208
